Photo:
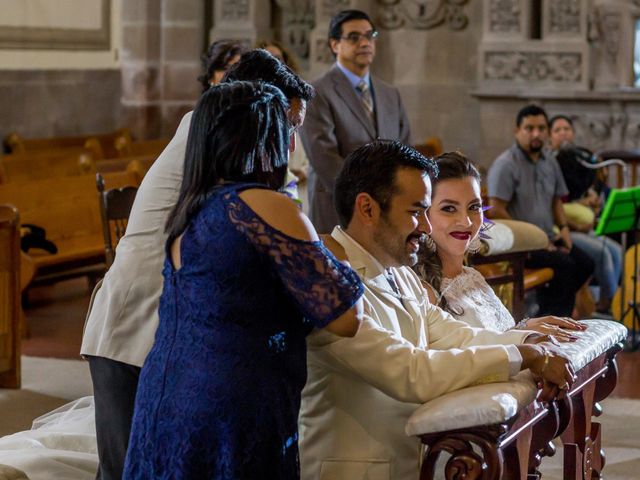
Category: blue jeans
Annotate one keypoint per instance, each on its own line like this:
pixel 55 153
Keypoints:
pixel 607 256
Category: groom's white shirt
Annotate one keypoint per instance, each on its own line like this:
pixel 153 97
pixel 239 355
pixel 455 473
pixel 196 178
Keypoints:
pixel 361 390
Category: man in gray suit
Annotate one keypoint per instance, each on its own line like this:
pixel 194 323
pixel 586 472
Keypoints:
pixel 351 108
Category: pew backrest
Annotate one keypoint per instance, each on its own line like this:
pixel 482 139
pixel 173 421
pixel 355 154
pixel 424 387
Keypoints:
pixel 68 209
pixel 15 143
pixel 24 167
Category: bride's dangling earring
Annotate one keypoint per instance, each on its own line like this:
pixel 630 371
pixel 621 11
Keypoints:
pixel 475 245
pixel 429 244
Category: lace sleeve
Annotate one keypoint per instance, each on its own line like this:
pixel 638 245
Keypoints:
pixel 322 286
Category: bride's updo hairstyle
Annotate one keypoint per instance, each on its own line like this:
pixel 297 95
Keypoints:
pixel 239 132
pixel 451 165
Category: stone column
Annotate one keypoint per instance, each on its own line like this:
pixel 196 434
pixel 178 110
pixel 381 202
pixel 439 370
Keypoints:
pixel 140 67
pixel 246 20
pixel 181 47
pixel 161 47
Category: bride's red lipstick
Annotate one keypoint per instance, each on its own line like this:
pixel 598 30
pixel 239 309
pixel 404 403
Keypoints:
pixel 461 235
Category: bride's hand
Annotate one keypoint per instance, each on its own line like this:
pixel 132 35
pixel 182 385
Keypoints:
pixel 556 326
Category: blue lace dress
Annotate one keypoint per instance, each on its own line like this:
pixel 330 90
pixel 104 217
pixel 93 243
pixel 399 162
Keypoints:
pixel 219 393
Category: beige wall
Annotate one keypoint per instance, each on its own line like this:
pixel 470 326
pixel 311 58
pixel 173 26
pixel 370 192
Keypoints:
pixel 75 15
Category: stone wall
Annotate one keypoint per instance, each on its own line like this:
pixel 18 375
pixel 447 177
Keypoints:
pixel 463 67
pixel 161 46
pixel 41 103
pixel 60 78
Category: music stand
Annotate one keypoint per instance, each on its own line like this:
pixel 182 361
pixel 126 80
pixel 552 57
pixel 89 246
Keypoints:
pixel 621 214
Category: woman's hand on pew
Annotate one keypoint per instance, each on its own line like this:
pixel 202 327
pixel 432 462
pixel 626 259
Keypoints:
pixel 555 326
pixel 550 367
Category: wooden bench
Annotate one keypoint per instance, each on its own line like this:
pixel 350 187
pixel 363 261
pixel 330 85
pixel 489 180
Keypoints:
pixel 126 147
pixel 67 208
pixel 101 144
pixel 500 430
pixel 23 167
pixel 136 166
pixel 10 310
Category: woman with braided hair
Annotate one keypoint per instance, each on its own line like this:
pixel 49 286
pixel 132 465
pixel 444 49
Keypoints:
pixel 246 279
pixel 456 220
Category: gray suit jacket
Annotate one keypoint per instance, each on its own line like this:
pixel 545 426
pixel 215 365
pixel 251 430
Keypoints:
pixel 335 125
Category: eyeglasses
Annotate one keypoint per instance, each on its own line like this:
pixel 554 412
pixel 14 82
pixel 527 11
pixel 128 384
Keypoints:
pixel 355 37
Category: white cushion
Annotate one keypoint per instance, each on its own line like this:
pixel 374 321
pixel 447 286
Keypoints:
pixel 498 402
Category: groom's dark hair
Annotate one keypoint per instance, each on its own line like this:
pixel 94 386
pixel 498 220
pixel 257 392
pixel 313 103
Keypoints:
pixel 372 169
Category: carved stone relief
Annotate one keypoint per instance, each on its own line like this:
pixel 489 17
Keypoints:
pixel 533 66
pixel 612 129
pixel 323 52
pixel 564 16
pixel 234 9
pixel 422 14
pixel 504 16
pixel 610 24
pixel 297 20
pixel 329 8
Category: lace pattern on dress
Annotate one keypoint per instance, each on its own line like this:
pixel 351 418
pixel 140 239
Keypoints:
pixel 322 286
pixel 470 292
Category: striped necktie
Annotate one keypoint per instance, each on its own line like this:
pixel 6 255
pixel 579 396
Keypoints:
pixel 365 98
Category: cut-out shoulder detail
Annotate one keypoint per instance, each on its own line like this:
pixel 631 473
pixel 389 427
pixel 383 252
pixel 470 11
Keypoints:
pixel 280 212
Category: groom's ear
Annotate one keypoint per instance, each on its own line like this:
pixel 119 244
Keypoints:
pixel 366 209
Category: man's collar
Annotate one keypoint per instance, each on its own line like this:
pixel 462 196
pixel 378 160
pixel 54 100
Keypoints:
pixel 354 79
pixel 360 259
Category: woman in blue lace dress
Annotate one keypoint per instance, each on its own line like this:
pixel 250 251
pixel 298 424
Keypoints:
pixel 246 279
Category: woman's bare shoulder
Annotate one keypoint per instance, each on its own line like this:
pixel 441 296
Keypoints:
pixel 280 212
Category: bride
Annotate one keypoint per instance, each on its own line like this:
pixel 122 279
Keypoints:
pixel 456 220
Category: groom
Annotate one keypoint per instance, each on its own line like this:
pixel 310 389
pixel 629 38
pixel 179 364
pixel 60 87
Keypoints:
pixel 361 391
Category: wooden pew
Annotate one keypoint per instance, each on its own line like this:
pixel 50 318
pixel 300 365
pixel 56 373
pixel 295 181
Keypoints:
pixel 10 309
pixel 515 444
pixel 23 167
pixel 67 208
pixel 126 147
pixel 102 144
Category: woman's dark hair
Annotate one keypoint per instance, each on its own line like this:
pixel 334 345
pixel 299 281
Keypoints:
pixel 259 65
pixel 238 133
pixel 451 165
pixel 287 57
pixel 218 56
pixel 555 118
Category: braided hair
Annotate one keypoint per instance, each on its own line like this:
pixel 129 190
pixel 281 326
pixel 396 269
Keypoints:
pixel 238 132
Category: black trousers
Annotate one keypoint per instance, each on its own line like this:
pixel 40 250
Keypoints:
pixel 114 391
pixel 570 271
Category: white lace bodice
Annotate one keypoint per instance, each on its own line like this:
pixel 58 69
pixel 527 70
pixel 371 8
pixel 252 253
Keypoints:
pixel 470 293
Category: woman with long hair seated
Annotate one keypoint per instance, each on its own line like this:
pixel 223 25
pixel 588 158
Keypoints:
pixel 246 279
pixel 456 219
pixel 582 206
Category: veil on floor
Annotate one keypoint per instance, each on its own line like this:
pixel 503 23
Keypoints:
pixel 60 444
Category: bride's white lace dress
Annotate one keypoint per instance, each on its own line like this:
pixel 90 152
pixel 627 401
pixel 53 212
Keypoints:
pixel 473 301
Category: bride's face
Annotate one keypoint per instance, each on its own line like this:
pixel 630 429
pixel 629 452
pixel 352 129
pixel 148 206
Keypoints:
pixel 455 215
